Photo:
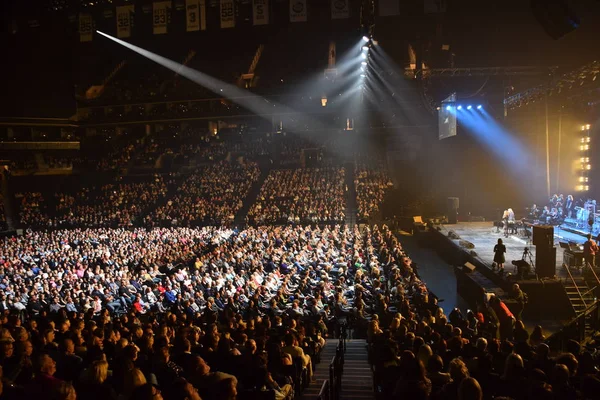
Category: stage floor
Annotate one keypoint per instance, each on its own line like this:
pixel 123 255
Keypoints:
pixel 484 236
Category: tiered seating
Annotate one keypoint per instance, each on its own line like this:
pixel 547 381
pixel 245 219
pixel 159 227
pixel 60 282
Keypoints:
pixel 372 182
pixel 311 195
pixel 112 205
pixel 213 195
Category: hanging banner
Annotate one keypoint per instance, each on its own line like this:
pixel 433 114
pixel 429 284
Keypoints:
pixel 195 15
pixel 435 6
pixel 124 20
pixel 388 8
pixel 227 14
pixel 160 17
pixel 260 12
pixel 298 11
pixel 340 9
pixel 86 28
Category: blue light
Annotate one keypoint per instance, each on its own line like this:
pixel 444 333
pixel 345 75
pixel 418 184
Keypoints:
pixel 448 108
pixel 469 107
pixel 459 108
pixel 479 107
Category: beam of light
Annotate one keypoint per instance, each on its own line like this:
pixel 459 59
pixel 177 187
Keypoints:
pixel 501 142
pixel 257 104
pixel 346 69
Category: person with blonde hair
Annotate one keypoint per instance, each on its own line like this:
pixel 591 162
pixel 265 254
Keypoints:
pixel 94 385
pixel 65 391
pixel 133 379
pixel 373 330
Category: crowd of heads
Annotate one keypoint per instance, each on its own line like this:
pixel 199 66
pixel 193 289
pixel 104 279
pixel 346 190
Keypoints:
pixel 182 311
pixel 371 185
pixel 308 195
pixel 212 195
pixel 112 205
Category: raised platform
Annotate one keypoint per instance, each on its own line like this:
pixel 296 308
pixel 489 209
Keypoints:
pixel 474 242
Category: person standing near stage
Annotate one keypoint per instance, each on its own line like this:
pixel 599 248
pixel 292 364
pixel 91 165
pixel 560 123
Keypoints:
pixel 521 298
pixel 590 248
pixel 569 206
pixel 499 251
pixel 505 318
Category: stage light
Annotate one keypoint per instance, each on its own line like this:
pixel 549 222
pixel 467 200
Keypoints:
pixel 579 188
pixel 365 48
pixel 364 56
pixel 588 167
pixel 479 107
pixel 365 39
pixel 587 127
pixel 587 139
pixel 469 107
pixel 448 108
pixel 363 63
pixel 438 108
pixel 581 179
pixel 459 108
pixel 583 127
pixel 362 75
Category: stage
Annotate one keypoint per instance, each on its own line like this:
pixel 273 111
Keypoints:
pixel 483 235
pixel 477 240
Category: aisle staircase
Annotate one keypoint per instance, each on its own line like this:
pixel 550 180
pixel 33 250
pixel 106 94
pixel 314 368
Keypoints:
pixel 580 294
pixel 357 380
pixel 240 217
pixel 321 372
pixel 351 206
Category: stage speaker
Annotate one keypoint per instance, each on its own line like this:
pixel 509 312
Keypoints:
pixel 452 209
pixel 468 267
pixel 543 236
pixel 545 261
pixel 555 16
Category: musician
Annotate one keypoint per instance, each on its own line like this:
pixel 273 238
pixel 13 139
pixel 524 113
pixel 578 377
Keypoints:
pixel 499 251
pixel 569 206
pixel 545 214
pixel 505 222
pixel 590 248
pixel 511 221
pixel 534 211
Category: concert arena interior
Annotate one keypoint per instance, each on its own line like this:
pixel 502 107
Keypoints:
pixel 300 199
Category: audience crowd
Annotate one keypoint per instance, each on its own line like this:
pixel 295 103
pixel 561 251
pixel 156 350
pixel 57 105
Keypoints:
pixel 371 184
pixel 308 195
pixel 114 313
pixel 212 196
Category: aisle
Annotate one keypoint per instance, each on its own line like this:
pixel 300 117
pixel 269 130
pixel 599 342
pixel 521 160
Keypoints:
pixel 357 379
pixel 437 273
pixel 321 370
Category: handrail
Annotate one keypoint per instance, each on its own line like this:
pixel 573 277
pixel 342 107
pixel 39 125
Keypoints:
pixel 574 284
pixel 589 291
pixel 594 272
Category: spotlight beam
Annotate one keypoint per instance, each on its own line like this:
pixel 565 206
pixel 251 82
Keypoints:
pixel 255 103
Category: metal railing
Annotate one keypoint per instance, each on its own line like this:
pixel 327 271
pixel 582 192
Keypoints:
pixel 574 284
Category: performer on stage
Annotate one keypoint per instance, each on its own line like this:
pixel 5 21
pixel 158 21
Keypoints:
pixel 512 226
pixel 534 212
pixel 499 260
pixel 569 206
pixel 590 248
